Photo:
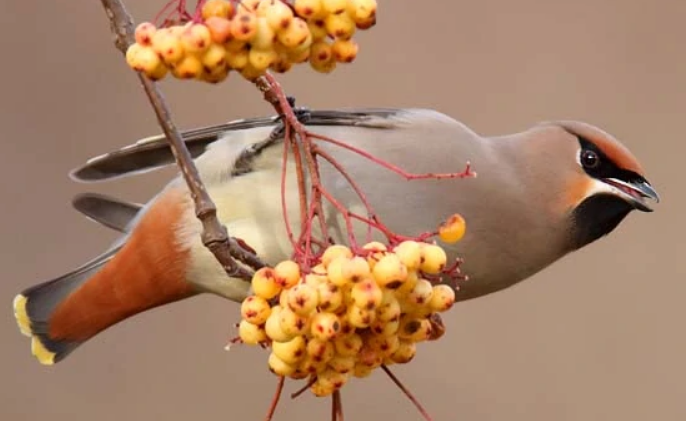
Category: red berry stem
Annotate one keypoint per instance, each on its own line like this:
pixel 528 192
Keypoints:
pixel 407 393
pixel 275 399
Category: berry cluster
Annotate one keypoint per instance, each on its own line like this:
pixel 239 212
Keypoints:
pixel 350 314
pixel 251 37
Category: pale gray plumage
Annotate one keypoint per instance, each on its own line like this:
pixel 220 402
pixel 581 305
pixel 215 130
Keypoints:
pixel 518 212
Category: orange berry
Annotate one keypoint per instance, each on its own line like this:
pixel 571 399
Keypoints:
pixel 453 229
pixel 244 25
pixel 345 50
pixel 144 33
pixel 196 38
pixel 309 9
pixel 216 8
pixel 220 29
pixel 295 34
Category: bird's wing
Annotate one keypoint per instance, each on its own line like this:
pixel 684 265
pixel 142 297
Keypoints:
pixel 153 152
pixel 109 211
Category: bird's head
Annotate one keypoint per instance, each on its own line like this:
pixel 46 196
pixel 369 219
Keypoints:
pixel 606 183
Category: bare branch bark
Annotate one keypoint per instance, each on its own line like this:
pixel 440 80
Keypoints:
pixel 214 236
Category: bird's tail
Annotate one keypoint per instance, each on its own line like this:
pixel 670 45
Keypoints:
pixel 35 306
pixel 146 269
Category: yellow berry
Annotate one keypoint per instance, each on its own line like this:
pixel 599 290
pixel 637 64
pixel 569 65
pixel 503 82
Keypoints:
pixel 320 350
pixel 453 229
pixel 216 75
pixel 279 367
pixel 345 50
pixel 314 279
pixel 323 66
pixel 264 36
pixel 385 346
pixel 144 33
pixel 389 309
pixel 405 352
pixel 317 29
pixel 362 371
pixel 360 317
pixel 385 328
pixel 251 334
pixel 278 14
pixel 442 298
pixel 356 269
pixel 251 73
pixel 321 52
pixel 298 56
pixel 196 38
pixel 348 345
pixel 332 379
pixel 311 365
pixel 167 46
pixel 273 326
pixel 299 374
pixel 303 299
pixel 216 8
pixel 362 10
pixel 389 272
pixel 334 6
pixel 414 329
pixel 292 323
pixel 340 26
pixel 159 72
pixel 287 273
pixel 325 326
pixel 295 34
pixel 377 251
pixel 409 253
pixel 255 310
pixel 330 297
pixel 282 64
pixel 309 9
pixel 334 251
pixel 189 67
pixel 335 271
pixel 291 352
pixel 237 61
pixel 261 59
pixel 214 57
pixel 342 364
pixel 433 259
pixel 366 294
pixel 421 294
pixel 220 29
pixel 264 284
pixel 244 25
pixel 370 356
pixel 409 284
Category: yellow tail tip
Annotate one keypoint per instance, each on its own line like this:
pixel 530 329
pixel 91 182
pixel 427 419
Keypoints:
pixel 21 315
pixel 41 353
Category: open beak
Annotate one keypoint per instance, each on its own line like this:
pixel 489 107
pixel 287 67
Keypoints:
pixel 636 193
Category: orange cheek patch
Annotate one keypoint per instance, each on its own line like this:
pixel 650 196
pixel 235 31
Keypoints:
pixel 576 191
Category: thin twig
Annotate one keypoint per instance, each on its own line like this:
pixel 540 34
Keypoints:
pixel 407 393
pixel 275 399
pixel 214 236
pixel 336 407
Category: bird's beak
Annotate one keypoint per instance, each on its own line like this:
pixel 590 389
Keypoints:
pixel 636 193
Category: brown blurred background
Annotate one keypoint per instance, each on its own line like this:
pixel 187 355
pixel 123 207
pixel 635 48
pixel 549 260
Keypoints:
pixel 597 336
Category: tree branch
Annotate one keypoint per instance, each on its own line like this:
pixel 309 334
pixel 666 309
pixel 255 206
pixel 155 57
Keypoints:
pixel 214 236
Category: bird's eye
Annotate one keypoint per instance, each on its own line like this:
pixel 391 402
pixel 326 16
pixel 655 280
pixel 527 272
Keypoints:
pixel 590 159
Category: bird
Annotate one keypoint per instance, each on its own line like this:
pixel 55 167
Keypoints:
pixel 539 194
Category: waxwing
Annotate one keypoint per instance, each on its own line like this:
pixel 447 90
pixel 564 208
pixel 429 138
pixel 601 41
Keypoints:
pixel 539 195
